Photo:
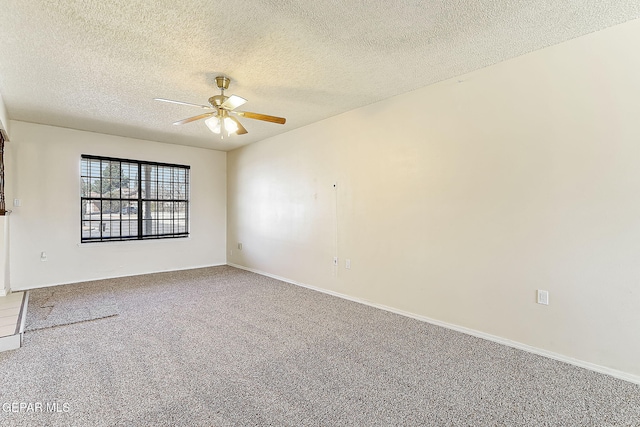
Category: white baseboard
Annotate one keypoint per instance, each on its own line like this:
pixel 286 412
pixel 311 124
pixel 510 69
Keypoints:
pixel 3 293
pixel 515 344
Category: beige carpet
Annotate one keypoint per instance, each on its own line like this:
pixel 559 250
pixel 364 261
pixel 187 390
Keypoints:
pixel 225 347
pixel 68 304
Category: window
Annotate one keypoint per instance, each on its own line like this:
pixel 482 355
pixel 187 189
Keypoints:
pixel 132 200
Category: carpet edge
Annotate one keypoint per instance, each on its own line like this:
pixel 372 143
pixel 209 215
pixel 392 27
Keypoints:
pixel 72 323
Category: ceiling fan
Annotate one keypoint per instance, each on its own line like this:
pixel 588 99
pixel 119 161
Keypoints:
pixel 221 120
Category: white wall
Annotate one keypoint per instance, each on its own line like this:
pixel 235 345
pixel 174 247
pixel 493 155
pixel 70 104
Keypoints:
pixel 457 201
pixel 44 174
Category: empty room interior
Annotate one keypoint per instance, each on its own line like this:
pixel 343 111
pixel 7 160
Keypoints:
pixel 320 213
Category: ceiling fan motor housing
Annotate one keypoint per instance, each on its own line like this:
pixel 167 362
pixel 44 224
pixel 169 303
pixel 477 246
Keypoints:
pixel 217 100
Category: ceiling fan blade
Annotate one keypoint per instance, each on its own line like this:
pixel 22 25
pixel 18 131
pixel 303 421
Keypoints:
pixel 241 130
pixel 182 103
pixel 194 118
pixel 233 102
pixel 264 117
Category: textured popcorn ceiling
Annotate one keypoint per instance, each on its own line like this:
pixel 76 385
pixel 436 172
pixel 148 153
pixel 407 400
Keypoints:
pixel 97 65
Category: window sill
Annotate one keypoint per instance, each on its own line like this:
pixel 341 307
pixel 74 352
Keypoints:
pixel 120 243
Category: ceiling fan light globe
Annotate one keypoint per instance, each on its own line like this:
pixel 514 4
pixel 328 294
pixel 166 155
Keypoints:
pixel 213 123
pixel 230 126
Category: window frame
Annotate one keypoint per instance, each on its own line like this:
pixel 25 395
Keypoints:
pixel 139 200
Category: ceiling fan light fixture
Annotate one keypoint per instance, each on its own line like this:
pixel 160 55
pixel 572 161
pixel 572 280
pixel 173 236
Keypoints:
pixel 230 126
pixel 219 121
pixel 213 123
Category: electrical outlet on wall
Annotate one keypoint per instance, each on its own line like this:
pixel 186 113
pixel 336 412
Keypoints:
pixel 335 261
pixel 239 246
pixel 543 297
